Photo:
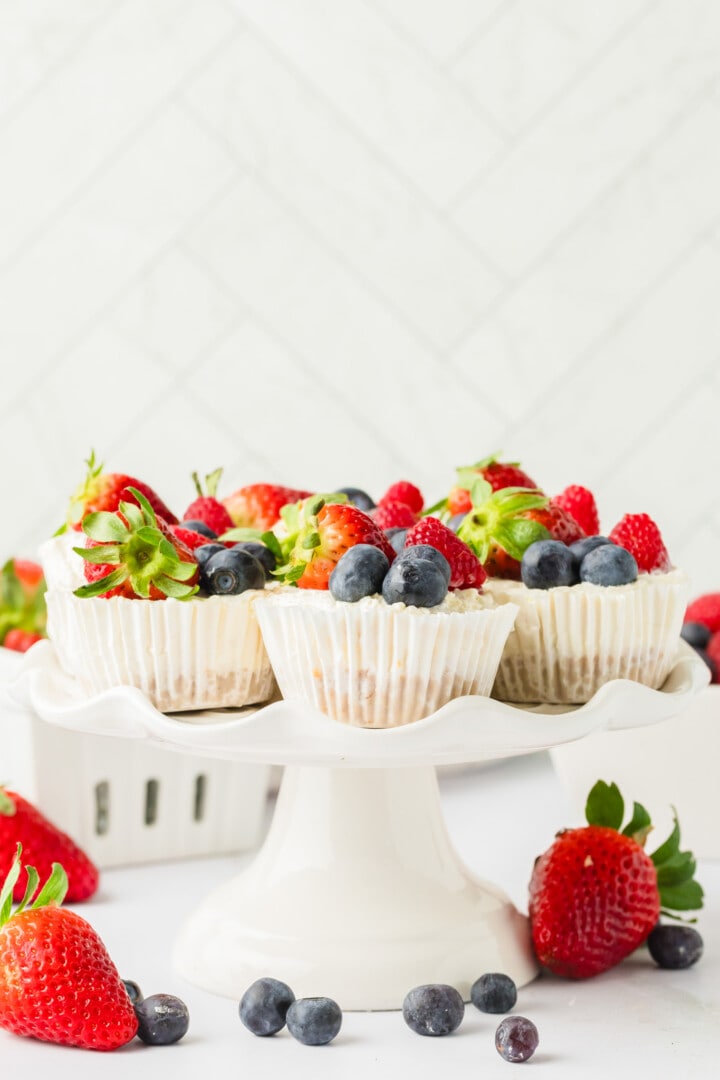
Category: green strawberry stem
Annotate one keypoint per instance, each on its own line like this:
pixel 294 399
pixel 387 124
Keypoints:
pixel 675 868
pixel 211 483
pixel 52 892
pixel 496 518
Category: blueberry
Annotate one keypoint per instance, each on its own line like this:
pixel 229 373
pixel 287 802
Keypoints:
pixel 262 553
pixel 609 565
pixel 205 552
pixel 675 947
pixel 360 572
pixel 415 581
pixel 233 571
pixel 434 1009
pixel 427 551
pixel 516 1038
pixel 588 543
pixel 710 663
pixel 133 991
pixel 358 497
pixel 396 535
pixel 456 521
pixel 494 993
pixel 264 1006
pixel 162 1019
pixel 695 634
pixel 548 563
pixel 314 1021
pixel 199 527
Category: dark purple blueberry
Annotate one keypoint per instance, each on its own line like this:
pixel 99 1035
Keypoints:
pixel 695 634
pixel 434 1009
pixel 609 565
pixel 547 564
pixel 314 1021
pixel 262 553
pixel 199 527
pixel 205 552
pixel 516 1039
pixel 232 571
pixel 360 572
pixel 427 551
pixel 415 581
pixel 162 1019
pixel 588 543
pixel 675 947
pixel 357 497
pixel 133 991
pixel 264 1006
pixel 494 993
pixel 396 535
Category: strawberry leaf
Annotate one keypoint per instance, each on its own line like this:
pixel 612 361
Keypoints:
pixel 7 806
pixel 105 527
pixel 54 889
pixel 6 893
pixel 104 585
pixel 639 825
pixel 670 847
pixel 270 540
pixel 175 589
pixel 102 554
pixel 517 534
pixel 149 513
pixel 685 897
pixel 32 883
pixel 241 534
pixel 678 869
pixel 480 492
pixel 605 806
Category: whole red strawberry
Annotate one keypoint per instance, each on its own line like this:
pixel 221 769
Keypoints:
pixel 105 491
pixel 29 574
pixel 189 538
pixel 207 507
pixel 639 535
pixel 133 553
pixel 323 532
pixel 498 475
pixel 57 981
pixel 559 523
pixel 595 893
pixel 466 571
pixel 20 640
pixel 404 492
pixel 579 502
pixel 23 615
pixel 43 844
pixel 393 515
pixel 258 506
pixel 705 610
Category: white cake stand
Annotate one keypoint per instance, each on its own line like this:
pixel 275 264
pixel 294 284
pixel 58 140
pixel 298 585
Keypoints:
pixel 357 892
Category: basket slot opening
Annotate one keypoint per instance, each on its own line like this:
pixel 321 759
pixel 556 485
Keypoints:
pixel 102 808
pixel 200 797
pixel 152 800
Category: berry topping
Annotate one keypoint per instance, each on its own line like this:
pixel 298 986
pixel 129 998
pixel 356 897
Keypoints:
pixel 207 508
pixel 695 634
pixel 264 1005
pixel 231 572
pixel 609 565
pixel 516 1039
pixel 105 491
pixel 393 515
pixel 416 580
pixel 397 537
pixel 498 525
pixel 404 492
pixel 198 526
pixel 191 538
pixel 498 475
pixel 434 1009
pixel 588 543
pixel 580 504
pixel 206 552
pixel 262 553
pixel 547 564
pixel 675 947
pixel 494 993
pixel 639 535
pixel 20 640
pixel 162 1019
pixel 360 572
pixel 705 610
pixel 358 497
pixel 258 506
pixel 466 571
pixel 314 1021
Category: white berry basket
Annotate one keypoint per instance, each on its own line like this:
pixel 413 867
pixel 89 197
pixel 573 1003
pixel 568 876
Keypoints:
pixel 127 802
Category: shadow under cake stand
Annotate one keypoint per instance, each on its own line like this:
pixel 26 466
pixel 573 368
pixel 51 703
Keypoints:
pixel 357 892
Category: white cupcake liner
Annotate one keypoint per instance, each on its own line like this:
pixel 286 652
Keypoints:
pixel 570 641
pixel 376 665
pixel 184 655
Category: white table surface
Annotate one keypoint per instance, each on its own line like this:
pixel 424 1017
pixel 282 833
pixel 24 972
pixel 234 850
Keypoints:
pixel 635 1019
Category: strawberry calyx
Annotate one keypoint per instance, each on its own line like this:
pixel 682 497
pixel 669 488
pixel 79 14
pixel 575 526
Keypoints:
pixel 132 540
pixel 303 534
pixel 52 893
pixel 496 518
pixel 675 869
pixel 211 484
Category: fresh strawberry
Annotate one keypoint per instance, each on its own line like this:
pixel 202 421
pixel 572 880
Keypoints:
pixel 639 535
pixel 43 844
pixel 466 571
pixel 404 492
pixel 499 526
pixel 207 507
pixel 559 523
pixel 105 491
pixel 498 474
pixel 20 640
pixel 579 502
pixel 321 533
pixel 258 506
pixel 705 610
pixel 133 553
pixel 189 537
pixel 459 501
pixel 57 981
pixel 29 574
pixel 712 651
pixel 595 895
pixel 393 515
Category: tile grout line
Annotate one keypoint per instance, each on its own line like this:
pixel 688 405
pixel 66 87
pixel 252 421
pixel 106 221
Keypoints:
pixel 480 32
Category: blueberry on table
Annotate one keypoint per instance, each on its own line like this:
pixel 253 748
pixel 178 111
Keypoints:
pixel 695 634
pixel 547 564
pixel 261 552
pixel 162 1019
pixel 415 581
pixel 516 1039
pixel 232 571
pixel 675 947
pixel 357 497
pixel 360 572
pixel 433 1009
pixel 588 543
pixel 494 993
pixel 314 1021
pixel 264 1006
pixel 199 527
pixel 205 552
pixel 609 565
pixel 133 991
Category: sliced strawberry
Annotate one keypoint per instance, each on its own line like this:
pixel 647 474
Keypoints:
pixel 579 502
pixel 466 571
pixel 639 535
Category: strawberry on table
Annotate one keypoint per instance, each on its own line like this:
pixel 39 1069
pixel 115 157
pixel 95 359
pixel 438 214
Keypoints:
pixel 595 894
pixel 104 491
pixel 20 640
pixel 258 506
pixel 466 571
pixel 706 611
pixel 580 503
pixel 639 535
pixel 57 981
pixel 207 507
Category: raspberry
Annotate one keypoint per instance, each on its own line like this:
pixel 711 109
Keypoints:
pixel 705 610
pixel 639 535
pixel 393 515
pixel 466 570
pixel 405 492
pixel 580 504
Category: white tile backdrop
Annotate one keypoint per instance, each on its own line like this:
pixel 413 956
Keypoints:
pixel 344 241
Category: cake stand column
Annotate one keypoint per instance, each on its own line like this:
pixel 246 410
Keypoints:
pixel 357 894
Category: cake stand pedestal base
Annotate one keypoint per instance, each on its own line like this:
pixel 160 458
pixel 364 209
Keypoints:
pixel 358 895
